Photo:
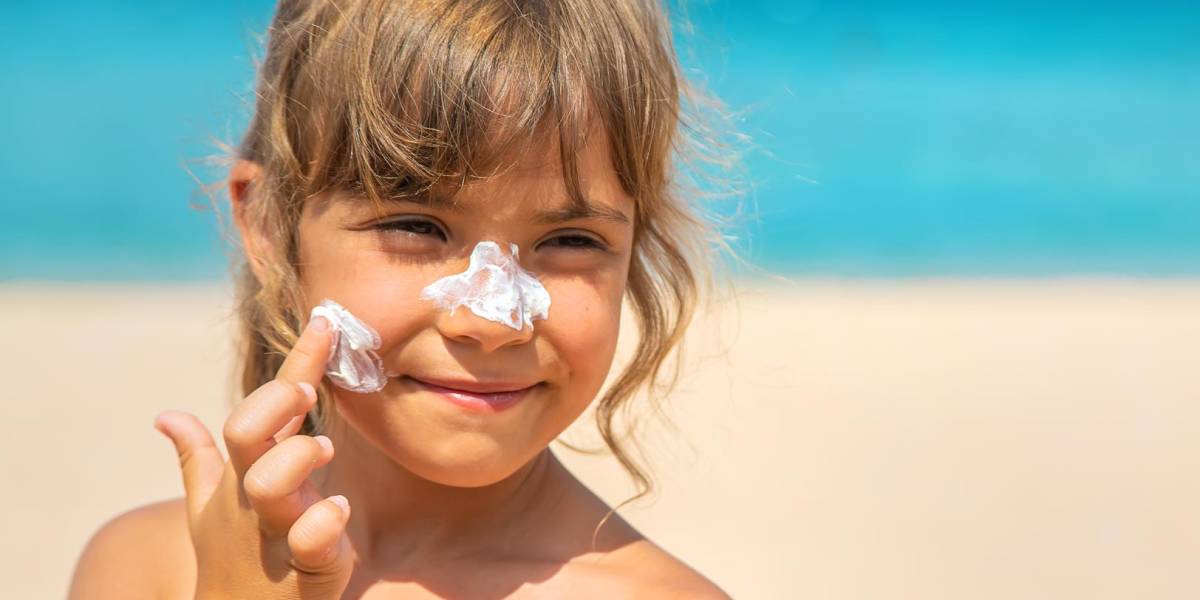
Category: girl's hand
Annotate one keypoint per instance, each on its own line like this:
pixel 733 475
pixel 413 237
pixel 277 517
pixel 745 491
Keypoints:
pixel 259 526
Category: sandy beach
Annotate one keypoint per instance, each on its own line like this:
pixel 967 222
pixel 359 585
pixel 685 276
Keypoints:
pixel 834 439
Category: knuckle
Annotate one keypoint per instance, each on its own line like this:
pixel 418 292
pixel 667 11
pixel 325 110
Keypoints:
pixel 266 479
pixel 301 396
pixel 258 487
pixel 239 429
pixel 309 533
pixel 236 432
pixel 290 390
pixel 302 537
pixel 301 452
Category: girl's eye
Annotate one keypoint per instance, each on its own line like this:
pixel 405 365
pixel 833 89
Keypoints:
pixel 575 241
pixel 412 227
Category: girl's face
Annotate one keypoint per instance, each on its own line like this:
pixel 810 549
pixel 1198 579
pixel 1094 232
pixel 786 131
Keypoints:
pixel 376 264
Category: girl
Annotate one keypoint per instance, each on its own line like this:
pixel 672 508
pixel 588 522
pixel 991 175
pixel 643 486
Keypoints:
pixel 389 140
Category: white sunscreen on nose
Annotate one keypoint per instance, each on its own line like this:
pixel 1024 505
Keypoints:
pixel 353 364
pixel 495 287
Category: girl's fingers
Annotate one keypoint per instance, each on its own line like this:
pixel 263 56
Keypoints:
pixel 290 429
pixel 317 540
pixel 277 484
pixel 306 361
pixel 251 428
pixel 199 459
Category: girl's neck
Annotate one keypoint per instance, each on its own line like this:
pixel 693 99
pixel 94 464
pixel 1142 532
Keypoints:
pixel 397 515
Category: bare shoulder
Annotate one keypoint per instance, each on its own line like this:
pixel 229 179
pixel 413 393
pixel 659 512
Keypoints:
pixel 145 552
pixel 626 564
pixel 646 570
pixel 604 556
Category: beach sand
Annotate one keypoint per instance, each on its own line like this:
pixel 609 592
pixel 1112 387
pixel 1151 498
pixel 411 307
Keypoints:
pixel 864 439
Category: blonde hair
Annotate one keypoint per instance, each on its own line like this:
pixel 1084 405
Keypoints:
pixel 386 98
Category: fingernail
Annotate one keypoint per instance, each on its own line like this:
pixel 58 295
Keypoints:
pixel 309 391
pixel 319 324
pixel 324 442
pixel 342 503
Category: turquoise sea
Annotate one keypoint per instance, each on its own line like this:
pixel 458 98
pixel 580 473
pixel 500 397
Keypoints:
pixel 891 139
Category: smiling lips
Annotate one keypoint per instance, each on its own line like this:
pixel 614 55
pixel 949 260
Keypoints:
pixel 476 395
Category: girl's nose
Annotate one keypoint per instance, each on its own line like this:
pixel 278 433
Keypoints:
pixel 467 327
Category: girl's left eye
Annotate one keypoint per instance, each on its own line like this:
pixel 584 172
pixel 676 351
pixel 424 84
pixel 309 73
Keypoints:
pixel 413 227
pixel 575 241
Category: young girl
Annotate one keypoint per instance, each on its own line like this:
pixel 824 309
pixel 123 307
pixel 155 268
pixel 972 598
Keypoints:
pixel 390 142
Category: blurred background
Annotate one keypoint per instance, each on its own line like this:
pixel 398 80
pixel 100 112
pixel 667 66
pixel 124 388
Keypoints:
pixel 965 366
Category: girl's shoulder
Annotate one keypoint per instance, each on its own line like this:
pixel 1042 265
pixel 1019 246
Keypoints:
pixel 622 563
pixel 641 569
pixel 144 552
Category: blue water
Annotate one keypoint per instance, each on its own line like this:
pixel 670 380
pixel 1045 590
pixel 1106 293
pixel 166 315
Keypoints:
pixel 890 138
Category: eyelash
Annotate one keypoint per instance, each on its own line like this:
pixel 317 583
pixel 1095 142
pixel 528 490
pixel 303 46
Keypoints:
pixel 578 241
pixel 404 225
pixel 589 243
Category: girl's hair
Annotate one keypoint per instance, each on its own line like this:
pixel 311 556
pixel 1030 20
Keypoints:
pixel 388 98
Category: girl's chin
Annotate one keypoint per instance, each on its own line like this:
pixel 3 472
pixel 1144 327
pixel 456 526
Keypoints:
pixel 465 471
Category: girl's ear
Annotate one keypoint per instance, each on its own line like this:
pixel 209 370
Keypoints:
pixel 242 177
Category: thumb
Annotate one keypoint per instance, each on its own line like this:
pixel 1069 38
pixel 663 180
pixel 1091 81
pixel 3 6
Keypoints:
pixel 199 459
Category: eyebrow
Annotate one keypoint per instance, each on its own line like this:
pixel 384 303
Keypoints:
pixel 588 210
pixel 572 212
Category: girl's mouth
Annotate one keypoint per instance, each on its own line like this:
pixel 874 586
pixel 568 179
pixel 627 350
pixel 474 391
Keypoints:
pixel 480 396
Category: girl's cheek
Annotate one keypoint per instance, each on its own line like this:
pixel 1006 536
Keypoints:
pixel 375 287
pixel 583 325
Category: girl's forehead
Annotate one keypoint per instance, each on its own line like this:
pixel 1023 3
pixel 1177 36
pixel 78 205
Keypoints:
pixel 541 155
pixel 538 174
pixel 528 180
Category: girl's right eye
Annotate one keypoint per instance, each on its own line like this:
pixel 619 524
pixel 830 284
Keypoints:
pixel 410 230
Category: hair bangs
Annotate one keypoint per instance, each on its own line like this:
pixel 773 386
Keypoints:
pixel 435 99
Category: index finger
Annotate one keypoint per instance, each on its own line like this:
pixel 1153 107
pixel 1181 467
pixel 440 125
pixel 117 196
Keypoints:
pixel 306 361
pixel 252 427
